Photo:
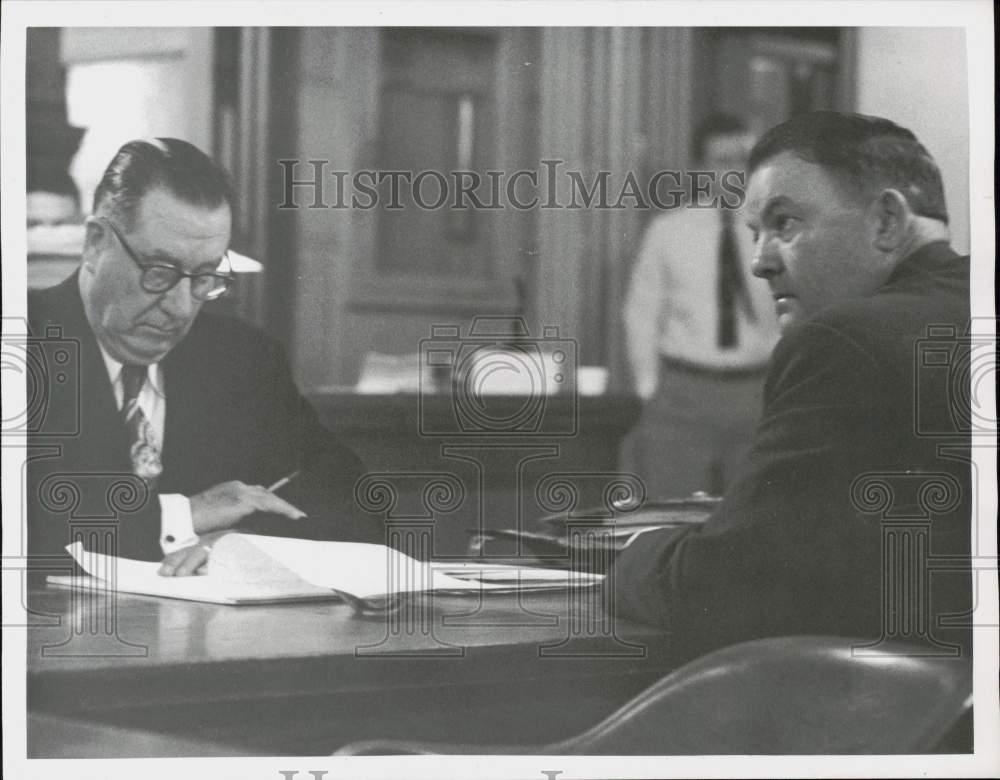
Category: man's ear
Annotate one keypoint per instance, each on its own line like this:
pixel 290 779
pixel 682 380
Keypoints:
pixel 93 241
pixel 891 217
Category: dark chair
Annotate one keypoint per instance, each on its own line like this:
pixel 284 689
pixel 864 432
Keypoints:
pixel 785 695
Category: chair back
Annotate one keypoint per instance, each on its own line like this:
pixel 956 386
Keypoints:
pixel 792 695
pixel 775 696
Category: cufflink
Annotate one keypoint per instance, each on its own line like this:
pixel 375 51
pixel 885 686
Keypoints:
pixel 170 538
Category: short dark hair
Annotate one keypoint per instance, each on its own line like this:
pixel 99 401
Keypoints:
pixel 177 166
pixel 711 126
pixel 868 152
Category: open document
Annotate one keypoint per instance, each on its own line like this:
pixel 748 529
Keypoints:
pixel 251 569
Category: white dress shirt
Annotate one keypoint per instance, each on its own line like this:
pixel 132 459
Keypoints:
pixel 671 309
pixel 176 524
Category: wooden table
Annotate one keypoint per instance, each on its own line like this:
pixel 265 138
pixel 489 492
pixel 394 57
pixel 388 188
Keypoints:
pixel 140 676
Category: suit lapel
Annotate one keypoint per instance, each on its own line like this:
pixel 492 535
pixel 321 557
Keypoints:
pixel 191 384
pixel 188 417
pixel 99 419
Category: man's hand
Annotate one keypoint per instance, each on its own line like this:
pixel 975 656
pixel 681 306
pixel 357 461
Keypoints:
pixel 185 562
pixel 224 505
pixel 190 560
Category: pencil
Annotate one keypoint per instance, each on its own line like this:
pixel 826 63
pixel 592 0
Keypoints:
pixel 282 482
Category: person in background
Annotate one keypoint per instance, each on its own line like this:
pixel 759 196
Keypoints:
pixel 699 331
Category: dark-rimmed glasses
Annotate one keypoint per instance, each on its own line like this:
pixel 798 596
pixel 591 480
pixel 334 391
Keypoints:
pixel 158 278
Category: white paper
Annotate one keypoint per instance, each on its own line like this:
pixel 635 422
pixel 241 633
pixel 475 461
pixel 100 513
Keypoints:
pixel 245 568
pixel 142 577
pixel 515 575
pixel 353 567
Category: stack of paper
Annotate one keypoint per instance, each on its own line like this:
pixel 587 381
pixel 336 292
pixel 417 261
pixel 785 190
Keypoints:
pixel 251 569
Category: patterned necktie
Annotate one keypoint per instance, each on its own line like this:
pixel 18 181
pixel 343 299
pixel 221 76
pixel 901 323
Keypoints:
pixel 143 453
pixel 731 285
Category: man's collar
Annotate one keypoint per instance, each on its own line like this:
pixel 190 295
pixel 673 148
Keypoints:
pixel 114 369
pixel 927 258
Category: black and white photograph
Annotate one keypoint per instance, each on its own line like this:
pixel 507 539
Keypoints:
pixel 505 390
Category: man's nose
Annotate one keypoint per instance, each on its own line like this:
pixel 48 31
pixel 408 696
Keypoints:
pixel 178 301
pixel 766 261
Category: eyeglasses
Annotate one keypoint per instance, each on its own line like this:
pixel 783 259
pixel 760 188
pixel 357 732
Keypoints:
pixel 158 278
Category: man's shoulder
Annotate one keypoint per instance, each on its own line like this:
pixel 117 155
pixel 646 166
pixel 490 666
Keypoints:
pixel 902 309
pixel 879 332
pixel 57 306
pixel 832 343
pixel 230 350
pixel 221 333
pixel 41 297
pixel 869 319
pixel 45 298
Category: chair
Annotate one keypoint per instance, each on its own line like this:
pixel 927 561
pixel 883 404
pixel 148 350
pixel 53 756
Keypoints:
pixel 785 695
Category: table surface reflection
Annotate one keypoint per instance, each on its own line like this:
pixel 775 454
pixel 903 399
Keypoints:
pixel 128 659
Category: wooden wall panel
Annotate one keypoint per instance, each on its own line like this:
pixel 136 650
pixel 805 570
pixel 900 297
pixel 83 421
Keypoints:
pixel 602 110
pixel 621 100
pixel 337 117
pixel 346 303
pixel 564 109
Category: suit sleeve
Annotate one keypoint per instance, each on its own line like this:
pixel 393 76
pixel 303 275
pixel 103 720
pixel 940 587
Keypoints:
pixel 297 441
pixel 77 477
pixel 64 502
pixel 783 552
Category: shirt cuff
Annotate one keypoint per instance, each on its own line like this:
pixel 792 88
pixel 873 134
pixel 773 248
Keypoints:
pixel 176 524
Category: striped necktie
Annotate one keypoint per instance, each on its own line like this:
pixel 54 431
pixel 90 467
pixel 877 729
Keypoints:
pixel 731 285
pixel 143 453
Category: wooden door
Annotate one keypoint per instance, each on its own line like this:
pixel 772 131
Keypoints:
pixel 430 103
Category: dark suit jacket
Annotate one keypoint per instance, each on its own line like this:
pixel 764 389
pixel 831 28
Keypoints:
pixel 233 413
pixel 797 544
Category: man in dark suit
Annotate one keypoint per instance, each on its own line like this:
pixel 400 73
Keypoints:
pixel 201 407
pixel 850 228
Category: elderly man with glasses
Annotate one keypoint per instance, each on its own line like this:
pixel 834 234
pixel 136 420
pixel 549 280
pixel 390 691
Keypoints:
pixel 200 407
